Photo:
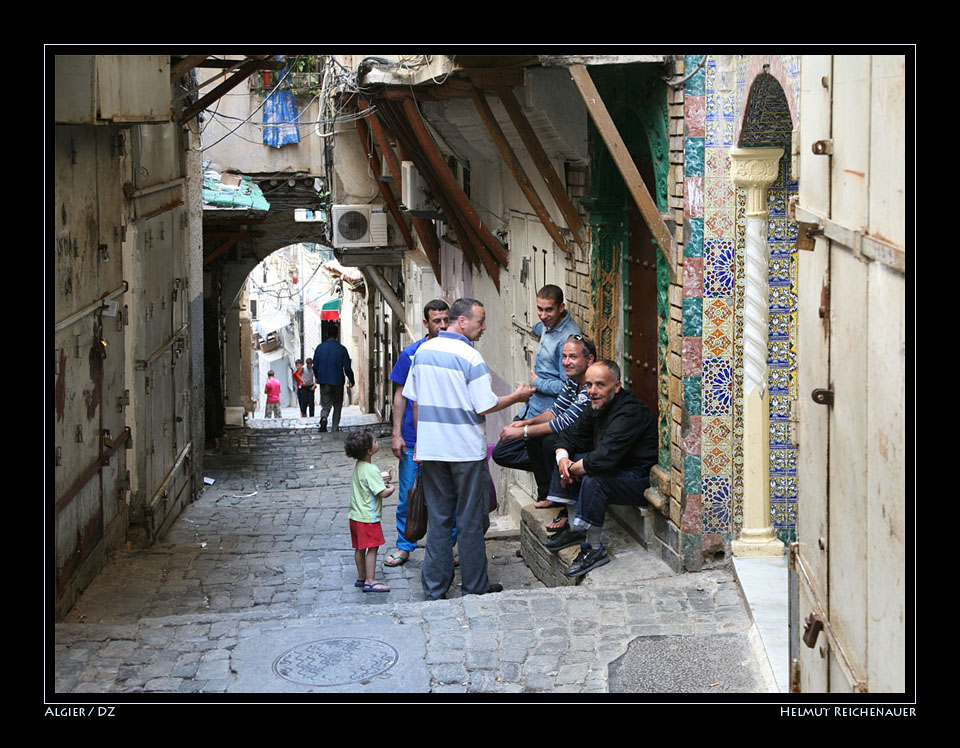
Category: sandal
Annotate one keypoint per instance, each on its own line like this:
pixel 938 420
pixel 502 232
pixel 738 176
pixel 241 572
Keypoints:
pixel 396 560
pixel 359 583
pixel 376 587
pixel 559 522
pixel 544 504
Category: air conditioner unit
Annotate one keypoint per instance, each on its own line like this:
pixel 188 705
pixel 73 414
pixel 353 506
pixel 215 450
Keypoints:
pixel 411 186
pixel 359 226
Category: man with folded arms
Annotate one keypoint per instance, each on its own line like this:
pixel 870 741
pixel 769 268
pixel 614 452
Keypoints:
pixel 613 446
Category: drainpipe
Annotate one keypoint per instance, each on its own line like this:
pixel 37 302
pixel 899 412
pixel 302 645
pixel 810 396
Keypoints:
pixel 375 278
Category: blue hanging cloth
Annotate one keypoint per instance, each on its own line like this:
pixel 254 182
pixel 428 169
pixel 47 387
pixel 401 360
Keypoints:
pixel 280 119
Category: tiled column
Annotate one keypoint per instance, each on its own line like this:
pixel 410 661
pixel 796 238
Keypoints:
pixel 755 169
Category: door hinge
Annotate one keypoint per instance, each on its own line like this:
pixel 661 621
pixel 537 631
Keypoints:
pixel 822 397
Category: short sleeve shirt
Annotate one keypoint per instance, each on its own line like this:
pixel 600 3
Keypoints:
pixel 272 388
pixel 365 505
pixel 399 375
pixel 451 384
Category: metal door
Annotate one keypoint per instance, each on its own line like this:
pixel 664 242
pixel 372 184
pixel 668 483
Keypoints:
pixel 89 398
pixel 847 566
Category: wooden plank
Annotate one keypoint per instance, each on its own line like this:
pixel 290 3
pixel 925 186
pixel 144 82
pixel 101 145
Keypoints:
pixel 540 159
pixel 513 163
pixel 628 170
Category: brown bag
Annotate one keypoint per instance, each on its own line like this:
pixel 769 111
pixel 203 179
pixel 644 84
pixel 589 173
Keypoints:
pixel 416 526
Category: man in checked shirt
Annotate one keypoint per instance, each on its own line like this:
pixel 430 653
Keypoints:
pixel 540 432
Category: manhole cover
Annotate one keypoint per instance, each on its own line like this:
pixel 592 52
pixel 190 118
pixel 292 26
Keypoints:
pixel 335 662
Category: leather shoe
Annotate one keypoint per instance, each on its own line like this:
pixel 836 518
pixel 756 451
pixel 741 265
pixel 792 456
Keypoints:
pixel 490 588
pixel 565 538
pixel 588 559
pixel 323 424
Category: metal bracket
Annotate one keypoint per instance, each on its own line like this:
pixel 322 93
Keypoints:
pixel 822 397
pixel 823 147
pixel 806 234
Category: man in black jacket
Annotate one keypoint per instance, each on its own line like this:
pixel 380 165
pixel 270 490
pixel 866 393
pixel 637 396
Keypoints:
pixel 614 445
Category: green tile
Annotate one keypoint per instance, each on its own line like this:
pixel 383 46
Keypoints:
pixel 691 395
pixel 692 318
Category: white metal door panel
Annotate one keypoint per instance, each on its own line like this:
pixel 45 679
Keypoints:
pixel 848 464
pixel 888 149
pixel 885 488
pixel 134 88
pixel 813 372
pixel 851 143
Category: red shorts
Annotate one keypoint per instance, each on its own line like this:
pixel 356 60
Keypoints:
pixel 366 534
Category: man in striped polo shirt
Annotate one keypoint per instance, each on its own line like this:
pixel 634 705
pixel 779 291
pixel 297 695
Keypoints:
pixel 539 433
pixel 451 388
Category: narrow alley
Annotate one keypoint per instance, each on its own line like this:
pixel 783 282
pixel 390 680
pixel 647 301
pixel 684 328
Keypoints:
pixel 252 591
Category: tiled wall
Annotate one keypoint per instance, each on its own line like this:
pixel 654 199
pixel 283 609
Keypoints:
pixel 713 285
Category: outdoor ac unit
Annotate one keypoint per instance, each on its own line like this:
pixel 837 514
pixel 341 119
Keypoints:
pixel 359 226
pixel 413 196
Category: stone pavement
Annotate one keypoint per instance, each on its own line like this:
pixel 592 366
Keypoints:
pixel 252 592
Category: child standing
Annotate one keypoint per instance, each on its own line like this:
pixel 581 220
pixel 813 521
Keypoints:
pixel 367 492
pixel 272 391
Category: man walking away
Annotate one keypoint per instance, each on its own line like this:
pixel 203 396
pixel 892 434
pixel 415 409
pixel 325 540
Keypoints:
pixel 452 391
pixel 331 365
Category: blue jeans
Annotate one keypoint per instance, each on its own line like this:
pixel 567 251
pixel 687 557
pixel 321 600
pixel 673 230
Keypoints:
pixel 407 473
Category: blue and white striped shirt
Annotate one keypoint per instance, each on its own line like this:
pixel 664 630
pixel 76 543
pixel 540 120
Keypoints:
pixel 451 384
pixel 568 406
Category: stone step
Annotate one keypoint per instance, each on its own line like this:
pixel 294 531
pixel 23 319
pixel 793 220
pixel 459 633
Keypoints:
pixel 546 565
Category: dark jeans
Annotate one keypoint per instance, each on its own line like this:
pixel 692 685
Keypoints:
pixel 306 399
pixel 592 493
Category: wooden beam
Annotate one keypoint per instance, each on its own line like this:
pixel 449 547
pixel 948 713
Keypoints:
pixel 385 190
pixel 532 143
pixel 261 64
pixel 451 185
pixel 628 170
pixel 513 163
pixel 243 72
pixel 423 227
pixel 185 65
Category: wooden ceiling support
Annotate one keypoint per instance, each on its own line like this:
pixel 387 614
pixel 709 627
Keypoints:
pixel 628 170
pixel 513 163
pixel 245 70
pixel 540 159
pixel 385 190
pixel 450 184
pixel 184 66
pixel 423 226
pixel 396 120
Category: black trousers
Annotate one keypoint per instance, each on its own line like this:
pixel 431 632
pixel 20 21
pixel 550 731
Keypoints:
pixel 305 397
pixel 535 455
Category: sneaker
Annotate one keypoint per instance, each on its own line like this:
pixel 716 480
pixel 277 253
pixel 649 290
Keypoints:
pixel 565 538
pixel 588 559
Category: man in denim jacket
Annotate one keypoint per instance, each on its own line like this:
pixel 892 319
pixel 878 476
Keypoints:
pixel 553 329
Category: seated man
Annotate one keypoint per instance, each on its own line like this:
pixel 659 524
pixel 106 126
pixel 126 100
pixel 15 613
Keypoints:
pixel 539 433
pixel 614 444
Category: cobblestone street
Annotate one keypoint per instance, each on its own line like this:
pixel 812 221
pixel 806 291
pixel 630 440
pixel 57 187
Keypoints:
pixel 252 591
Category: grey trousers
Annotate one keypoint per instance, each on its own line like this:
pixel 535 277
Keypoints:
pixel 458 495
pixel 331 396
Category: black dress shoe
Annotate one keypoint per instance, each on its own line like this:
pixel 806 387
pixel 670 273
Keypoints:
pixel 565 538
pixel 323 424
pixel 587 559
pixel 490 588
